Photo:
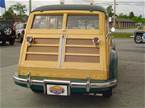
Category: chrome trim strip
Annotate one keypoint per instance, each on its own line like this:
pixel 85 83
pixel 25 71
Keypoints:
pixel 61 48
pixel 88 85
pixel 56 81
pixel 44 88
pixel 69 83
pixel 29 80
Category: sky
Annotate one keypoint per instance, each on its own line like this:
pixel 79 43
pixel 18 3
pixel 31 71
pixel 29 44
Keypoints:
pixel 138 9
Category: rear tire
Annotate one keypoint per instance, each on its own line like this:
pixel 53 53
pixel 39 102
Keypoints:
pixel 8 31
pixel 21 40
pixel 3 42
pixel 107 94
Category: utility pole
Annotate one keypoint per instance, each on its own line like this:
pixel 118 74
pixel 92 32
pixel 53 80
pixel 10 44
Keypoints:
pixel 144 10
pixel 30 6
pixel 114 16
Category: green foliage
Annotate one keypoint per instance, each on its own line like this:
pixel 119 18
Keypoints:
pixel 131 15
pixel 17 10
pixel 138 19
pixel 121 35
pixel 9 14
pixel 110 11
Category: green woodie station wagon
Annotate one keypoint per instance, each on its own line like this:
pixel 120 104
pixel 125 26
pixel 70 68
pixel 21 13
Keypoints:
pixel 68 49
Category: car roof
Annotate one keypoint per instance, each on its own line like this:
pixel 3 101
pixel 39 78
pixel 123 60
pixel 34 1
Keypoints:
pixel 71 7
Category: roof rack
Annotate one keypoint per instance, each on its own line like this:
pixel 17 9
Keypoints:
pixel 70 7
pixel 92 2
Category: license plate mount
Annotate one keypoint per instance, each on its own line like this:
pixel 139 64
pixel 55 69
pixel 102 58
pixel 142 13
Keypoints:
pixel 57 89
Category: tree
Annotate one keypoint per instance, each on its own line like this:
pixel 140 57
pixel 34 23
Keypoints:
pixel 121 15
pixel 19 9
pixel 15 11
pixel 140 16
pixel 110 11
pixel 9 14
pixel 131 15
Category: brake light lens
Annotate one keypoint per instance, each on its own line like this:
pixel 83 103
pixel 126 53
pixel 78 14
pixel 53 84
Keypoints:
pixel 96 41
pixel 30 40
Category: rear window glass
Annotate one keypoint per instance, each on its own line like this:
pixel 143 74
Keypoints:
pixel 47 22
pixel 83 22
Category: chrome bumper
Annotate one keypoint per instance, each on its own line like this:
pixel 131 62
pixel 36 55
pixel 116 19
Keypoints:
pixel 87 85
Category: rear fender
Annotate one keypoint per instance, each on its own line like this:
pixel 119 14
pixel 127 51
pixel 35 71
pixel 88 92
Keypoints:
pixel 113 67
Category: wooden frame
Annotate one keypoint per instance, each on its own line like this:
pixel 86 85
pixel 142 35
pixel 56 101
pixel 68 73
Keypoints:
pixel 67 58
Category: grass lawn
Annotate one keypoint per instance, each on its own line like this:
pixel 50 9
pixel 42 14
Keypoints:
pixel 121 35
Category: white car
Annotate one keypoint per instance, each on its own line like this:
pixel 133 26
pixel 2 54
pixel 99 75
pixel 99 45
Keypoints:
pixel 20 28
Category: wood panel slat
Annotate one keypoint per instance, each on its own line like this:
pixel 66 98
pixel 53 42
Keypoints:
pixel 42 49
pixel 40 57
pixel 82 50
pixel 78 54
pixel 84 59
pixel 46 45
pixel 82 46
pixel 79 42
pixel 46 40
pixel 42 53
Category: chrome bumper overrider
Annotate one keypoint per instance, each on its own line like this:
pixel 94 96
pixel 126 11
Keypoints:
pixel 87 85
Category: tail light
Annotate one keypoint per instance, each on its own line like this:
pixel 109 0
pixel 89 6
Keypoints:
pixel 30 40
pixel 96 41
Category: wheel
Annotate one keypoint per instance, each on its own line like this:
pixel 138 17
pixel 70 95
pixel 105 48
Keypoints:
pixel 21 40
pixel 3 42
pixel 12 41
pixel 18 36
pixel 107 94
pixel 138 39
pixel 143 37
pixel 7 31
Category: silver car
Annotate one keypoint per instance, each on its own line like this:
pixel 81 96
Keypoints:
pixel 20 29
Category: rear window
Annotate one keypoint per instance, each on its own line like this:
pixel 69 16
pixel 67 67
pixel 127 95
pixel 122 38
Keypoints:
pixel 83 22
pixel 47 22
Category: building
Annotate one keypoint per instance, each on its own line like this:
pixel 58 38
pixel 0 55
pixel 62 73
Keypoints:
pixel 125 23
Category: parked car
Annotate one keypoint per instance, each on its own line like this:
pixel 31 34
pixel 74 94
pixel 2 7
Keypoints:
pixel 139 36
pixel 67 49
pixel 20 29
pixel 7 32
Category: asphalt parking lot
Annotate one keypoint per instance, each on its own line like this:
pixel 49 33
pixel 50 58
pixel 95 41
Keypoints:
pixel 130 92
